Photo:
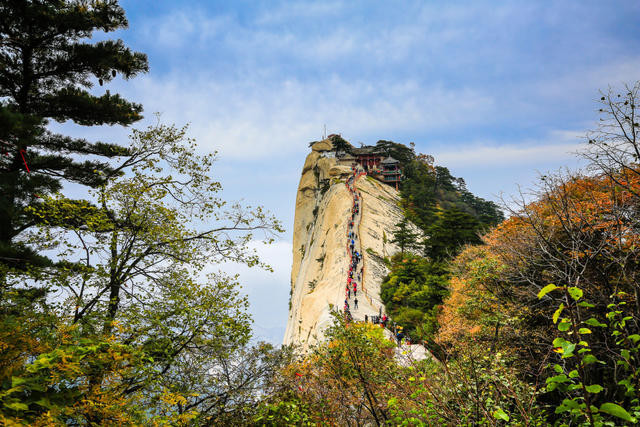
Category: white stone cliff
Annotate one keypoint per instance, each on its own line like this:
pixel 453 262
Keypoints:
pixel 320 257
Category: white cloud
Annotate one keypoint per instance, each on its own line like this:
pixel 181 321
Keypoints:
pixel 560 145
pixel 179 28
pixel 253 119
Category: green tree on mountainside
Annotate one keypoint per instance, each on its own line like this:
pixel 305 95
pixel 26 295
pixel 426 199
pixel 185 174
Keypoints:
pixel 418 194
pixel 444 181
pixel 340 144
pixel 428 190
pixel 412 290
pixel 448 214
pixel 404 236
pixel 453 229
pixel 398 151
pixel 47 67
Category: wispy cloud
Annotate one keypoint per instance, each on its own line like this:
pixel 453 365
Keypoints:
pixel 557 146
pixel 285 13
pixel 503 155
pixel 252 120
pixel 181 28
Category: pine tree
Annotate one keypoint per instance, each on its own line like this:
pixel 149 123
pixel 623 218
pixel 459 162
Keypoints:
pixel 404 237
pixel 396 150
pixel 453 229
pixel 47 67
pixel 340 144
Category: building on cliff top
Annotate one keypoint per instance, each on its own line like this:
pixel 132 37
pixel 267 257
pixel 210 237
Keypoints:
pixel 369 157
pixel 374 160
pixel 390 170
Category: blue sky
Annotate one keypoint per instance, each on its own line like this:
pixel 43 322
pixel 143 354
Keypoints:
pixel 496 91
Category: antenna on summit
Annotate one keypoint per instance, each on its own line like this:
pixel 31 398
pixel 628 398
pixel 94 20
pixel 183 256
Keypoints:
pixel 324 135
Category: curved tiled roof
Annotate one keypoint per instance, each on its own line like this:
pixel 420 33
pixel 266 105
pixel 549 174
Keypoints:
pixel 390 160
pixel 367 149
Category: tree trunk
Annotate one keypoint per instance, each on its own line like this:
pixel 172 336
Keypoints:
pixel 114 287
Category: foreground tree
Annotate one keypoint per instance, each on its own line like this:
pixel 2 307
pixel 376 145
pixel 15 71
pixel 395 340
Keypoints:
pixel 557 283
pixel 343 380
pixel 131 272
pixel 46 69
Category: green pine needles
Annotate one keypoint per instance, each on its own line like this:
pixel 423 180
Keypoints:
pixel 48 68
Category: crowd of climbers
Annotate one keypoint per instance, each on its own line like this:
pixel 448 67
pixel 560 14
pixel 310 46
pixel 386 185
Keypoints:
pixel 356 271
pixel 356 266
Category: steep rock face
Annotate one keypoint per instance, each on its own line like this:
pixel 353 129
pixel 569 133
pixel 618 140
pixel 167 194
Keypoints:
pixel 320 258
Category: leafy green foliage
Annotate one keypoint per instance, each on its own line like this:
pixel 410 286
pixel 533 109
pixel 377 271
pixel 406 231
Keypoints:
pixel 130 272
pixel 574 373
pixel 57 385
pixel 412 292
pixel 449 215
pixel 285 411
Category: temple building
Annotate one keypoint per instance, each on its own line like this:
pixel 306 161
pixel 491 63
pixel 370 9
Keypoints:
pixel 375 162
pixel 391 173
pixel 368 157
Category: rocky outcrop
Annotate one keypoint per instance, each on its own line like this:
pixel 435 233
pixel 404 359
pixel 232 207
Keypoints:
pixel 320 258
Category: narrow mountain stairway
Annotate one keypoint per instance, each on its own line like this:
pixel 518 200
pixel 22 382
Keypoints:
pixel 355 288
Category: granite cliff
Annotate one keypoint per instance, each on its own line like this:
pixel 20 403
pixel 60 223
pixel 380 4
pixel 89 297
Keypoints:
pixel 320 253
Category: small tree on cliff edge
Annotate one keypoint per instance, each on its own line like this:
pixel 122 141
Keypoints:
pixel 340 144
pixel 46 67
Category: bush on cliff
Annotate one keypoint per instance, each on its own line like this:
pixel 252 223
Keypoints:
pixel 355 378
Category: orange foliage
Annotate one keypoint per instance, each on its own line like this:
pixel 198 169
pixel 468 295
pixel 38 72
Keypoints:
pixel 452 325
pixel 577 228
pixel 471 311
pixel 584 204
